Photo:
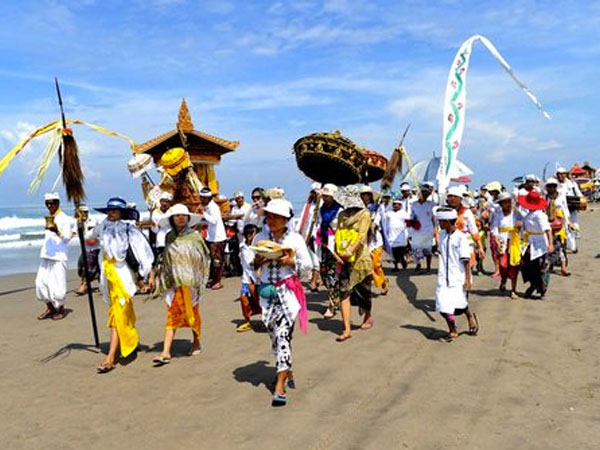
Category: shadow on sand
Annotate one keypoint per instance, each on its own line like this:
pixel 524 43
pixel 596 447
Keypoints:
pixel 410 290
pixel 257 374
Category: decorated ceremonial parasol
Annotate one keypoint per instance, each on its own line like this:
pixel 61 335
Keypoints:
pixel 62 143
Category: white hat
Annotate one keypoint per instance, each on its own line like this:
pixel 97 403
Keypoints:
pixel 179 208
pixel 366 189
pixel 456 191
pixel 238 194
pixel 84 208
pixel 397 200
pixel 551 180
pixel 405 187
pixel 315 186
pixel 279 207
pixel 443 213
pixel 51 196
pixel 428 184
pixel 561 169
pixel 166 196
pixel 503 196
pixel 206 192
pixel 329 189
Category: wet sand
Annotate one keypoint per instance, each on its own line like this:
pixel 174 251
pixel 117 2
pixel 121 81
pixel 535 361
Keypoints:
pixel 530 380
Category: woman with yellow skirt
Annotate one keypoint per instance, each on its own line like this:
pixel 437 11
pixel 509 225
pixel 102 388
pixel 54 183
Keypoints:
pixel 181 277
pixel 123 251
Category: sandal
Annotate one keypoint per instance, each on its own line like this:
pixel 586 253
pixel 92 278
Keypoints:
pixel 367 325
pixel 105 368
pixel 246 326
pixel 329 314
pixel 474 329
pixel 160 361
pixel 46 314
pixel 195 351
pixel 343 338
pixel 60 314
pixel 279 400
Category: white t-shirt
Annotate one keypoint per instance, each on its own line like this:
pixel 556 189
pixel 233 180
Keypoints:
pixel 216 229
pixel 536 222
pixel 395 228
pixel 89 234
pixel 56 246
pixel 454 250
pixel 247 258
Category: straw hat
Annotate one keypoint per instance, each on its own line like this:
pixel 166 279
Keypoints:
pixel 279 207
pixel 533 201
pixel 494 186
pixel 175 160
pixel 366 189
pixel 349 197
pixel 119 204
pixel 179 208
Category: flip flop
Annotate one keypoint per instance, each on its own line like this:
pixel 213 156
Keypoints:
pixel 105 368
pixel 368 324
pixel 160 361
pixel 343 338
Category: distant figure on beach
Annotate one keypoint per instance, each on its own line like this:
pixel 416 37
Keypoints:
pixel 423 231
pixel 454 273
pixel 92 250
pixel 181 277
pixel 123 251
pixel 51 280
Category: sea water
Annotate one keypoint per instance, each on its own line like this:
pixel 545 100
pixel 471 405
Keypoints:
pixel 22 236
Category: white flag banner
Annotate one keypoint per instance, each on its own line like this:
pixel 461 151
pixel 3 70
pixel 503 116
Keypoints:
pixel 455 104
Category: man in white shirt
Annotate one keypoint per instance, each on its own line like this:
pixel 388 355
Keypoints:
pixel 306 225
pixel 395 230
pixel 423 228
pixel 51 280
pixel 216 236
pixel 238 212
pixel 166 200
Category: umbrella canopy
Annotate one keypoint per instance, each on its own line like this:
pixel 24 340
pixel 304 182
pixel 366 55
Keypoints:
pixel 427 170
pixel 576 170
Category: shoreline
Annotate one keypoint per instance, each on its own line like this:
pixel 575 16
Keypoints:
pixel 530 378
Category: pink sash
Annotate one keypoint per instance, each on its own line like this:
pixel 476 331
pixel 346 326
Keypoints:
pixel 293 283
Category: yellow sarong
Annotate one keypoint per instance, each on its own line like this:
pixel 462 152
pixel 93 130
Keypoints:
pixel 120 317
pixel 515 245
pixel 379 278
pixel 181 313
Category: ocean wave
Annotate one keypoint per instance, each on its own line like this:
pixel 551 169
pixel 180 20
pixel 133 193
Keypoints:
pixel 10 237
pixel 36 243
pixel 14 223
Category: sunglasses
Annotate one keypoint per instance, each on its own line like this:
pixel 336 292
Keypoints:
pixel 256 197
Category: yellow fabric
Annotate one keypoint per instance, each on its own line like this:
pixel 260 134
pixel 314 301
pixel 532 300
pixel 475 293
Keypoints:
pixel 175 160
pixel 379 278
pixel 530 233
pixel 55 125
pixel 120 317
pixel 344 239
pixel 515 245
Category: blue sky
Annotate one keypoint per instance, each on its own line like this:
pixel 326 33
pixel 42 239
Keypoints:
pixel 266 73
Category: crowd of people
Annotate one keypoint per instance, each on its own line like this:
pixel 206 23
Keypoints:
pixel 336 242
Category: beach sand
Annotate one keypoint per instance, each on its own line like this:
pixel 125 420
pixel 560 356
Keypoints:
pixel 530 380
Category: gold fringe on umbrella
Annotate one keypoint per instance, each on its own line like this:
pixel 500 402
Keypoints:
pixel 69 153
